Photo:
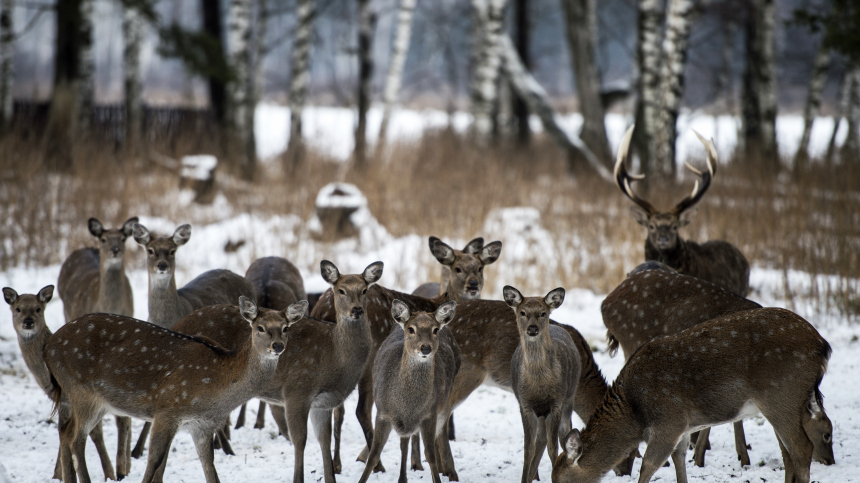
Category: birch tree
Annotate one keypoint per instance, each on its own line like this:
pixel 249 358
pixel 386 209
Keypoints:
pixel 581 18
pixel 394 78
pixel 817 78
pixel 85 88
pixel 300 75
pixel 257 82
pixel 367 21
pixel 7 54
pixel 241 99
pixel 488 17
pixel 759 92
pixel 647 108
pixel 132 32
pixel 841 109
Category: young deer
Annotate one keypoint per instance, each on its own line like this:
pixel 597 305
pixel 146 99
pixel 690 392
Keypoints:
pixel 93 280
pixel 466 282
pixel 167 304
pixel 412 376
pixel 278 284
pixel 434 289
pixel 716 261
pixel 105 363
pixel 28 317
pixel 768 360
pixel 545 370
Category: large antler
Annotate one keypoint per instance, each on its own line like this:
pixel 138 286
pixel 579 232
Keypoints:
pixel 699 189
pixel 623 178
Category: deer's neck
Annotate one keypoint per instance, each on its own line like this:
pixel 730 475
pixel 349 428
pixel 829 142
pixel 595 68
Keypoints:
pixel 610 435
pixel 352 337
pixel 165 305
pixel 416 373
pixel 112 286
pixel 538 353
pixel 32 350
pixel 677 258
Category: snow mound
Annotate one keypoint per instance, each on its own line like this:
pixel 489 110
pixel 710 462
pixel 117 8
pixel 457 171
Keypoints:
pixel 526 244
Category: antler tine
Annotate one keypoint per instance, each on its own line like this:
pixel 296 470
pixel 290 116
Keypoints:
pixel 623 178
pixel 699 190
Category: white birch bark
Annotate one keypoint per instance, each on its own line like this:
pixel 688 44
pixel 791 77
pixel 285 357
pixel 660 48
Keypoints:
pixel 240 96
pixel 132 31
pixel 671 83
pixel 488 17
pixel 817 78
pixel 647 109
pixel 527 88
pixel 841 109
pixel 7 68
pixel 760 85
pixel 300 71
pixel 394 78
pixel 85 89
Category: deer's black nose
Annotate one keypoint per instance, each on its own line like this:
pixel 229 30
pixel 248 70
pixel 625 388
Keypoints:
pixel 28 323
pixel 162 266
pixel 473 284
pixel 278 347
pixel 114 249
pixel 426 349
pixel 357 311
pixel 532 330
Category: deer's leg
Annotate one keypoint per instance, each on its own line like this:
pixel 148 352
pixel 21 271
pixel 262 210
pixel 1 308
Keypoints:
pixel 467 380
pixel 793 442
pixel 321 420
pixel 701 443
pixel 540 445
pixel 280 416
pixel 62 421
pixel 364 410
pixel 553 423
pixel 529 441
pixel 221 436
pixel 383 429
pixel 67 439
pixel 451 435
pixel 404 452
pixel 206 452
pixel 240 420
pixel 297 422
pixel 741 443
pixel 260 423
pixel 163 431
pixel 98 438
pixel 678 456
pixel 141 441
pixel 661 445
pixel 416 453
pixel 428 433
pixel 123 448
pixel 338 424
pixel 787 462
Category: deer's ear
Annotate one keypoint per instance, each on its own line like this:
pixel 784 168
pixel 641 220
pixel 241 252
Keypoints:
pixel 573 446
pixel 329 272
pixel 474 247
pixel 640 215
pixel 372 273
pixel 443 253
pixel 512 296
pixel 296 312
pixel 182 235
pixel 46 294
pixel 95 227
pixel 141 234
pixel 247 308
pixel 400 312
pixel 554 299
pixel 432 241
pixel 686 217
pixel 445 312
pixel 490 253
pixel 128 226
pixel 10 295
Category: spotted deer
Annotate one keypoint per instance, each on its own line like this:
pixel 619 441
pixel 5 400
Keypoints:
pixel 466 282
pixel 434 289
pixel 108 363
pixel 412 376
pixel 655 300
pixel 278 284
pixel 545 370
pixel 28 318
pixel 716 261
pixel 764 360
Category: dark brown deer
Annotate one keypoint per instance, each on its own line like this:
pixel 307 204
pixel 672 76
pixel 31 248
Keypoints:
pixel 28 317
pixel 716 261
pixel 544 373
pixel 762 360
pixel 167 304
pixel 412 377
pixel 278 284
pixel 466 282
pixel 105 363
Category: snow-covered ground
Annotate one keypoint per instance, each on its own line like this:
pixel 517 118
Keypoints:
pixel 489 430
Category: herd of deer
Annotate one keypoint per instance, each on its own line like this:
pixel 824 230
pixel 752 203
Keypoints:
pixel 697 352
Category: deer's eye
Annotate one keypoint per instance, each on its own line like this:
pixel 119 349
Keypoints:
pixel 650 227
pixel 17 310
pixel 411 330
pixel 340 291
pixel 543 314
pixel 172 252
pixel 522 313
pixel 103 240
pixel 260 328
pixel 435 331
pixel 458 270
pixel 38 310
pixel 150 251
pixel 480 269
pixel 826 437
pixel 285 329
pixel 363 291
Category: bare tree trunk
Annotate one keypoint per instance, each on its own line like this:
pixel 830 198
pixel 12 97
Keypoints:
pixel 399 49
pixel 851 148
pixel 212 26
pixel 85 88
pixel 7 68
pixel 520 108
pixel 759 101
pixel 257 82
pixel 488 16
pixel 367 22
pixel 841 109
pixel 132 31
pixel 300 76
pixel 671 86
pixel 241 102
pixel 647 106
pixel 527 88
pixel 817 78
pixel 581 38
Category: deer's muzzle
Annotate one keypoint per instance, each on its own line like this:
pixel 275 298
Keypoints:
pixel 277 347
pixel 532 330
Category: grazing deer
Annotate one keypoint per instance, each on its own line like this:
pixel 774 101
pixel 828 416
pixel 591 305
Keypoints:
pixel 105 363
pixel 28 317
pixel 167 304
pixel 545 370
pixel 434 289
pixel 412 377
pixel 278 284
pixel 466 282
pixel 764 360
pixel 716 261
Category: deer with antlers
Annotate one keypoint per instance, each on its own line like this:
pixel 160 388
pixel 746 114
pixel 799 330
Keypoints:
pixel 716 261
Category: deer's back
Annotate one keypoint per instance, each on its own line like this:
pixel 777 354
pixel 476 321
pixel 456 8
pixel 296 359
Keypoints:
pixel 216 287
pixel 78 284
pixel 652 303
pixel 723 264
pixel 277 282
pixel 222 324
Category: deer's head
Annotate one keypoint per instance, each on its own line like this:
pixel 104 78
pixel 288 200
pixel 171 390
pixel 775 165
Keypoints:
pixel 111 240
pixel 532 312
pixel 421 330
pixel 28 311
pixel 466 266
pixel 350 291
pixel 271 328
pixel 161 251
pixel 663 225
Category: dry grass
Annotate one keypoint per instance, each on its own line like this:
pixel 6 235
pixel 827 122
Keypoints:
pixel 443 185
